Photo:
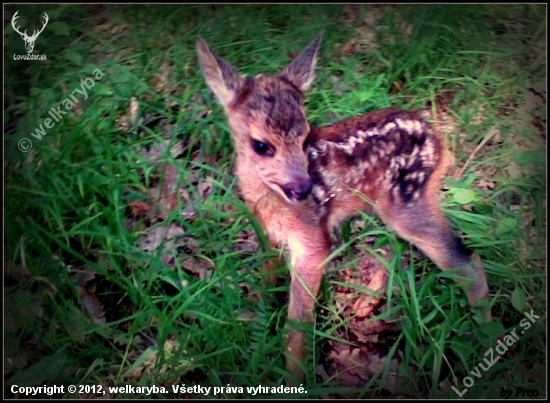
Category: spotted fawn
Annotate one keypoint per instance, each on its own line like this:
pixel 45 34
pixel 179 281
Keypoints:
pixel 302 181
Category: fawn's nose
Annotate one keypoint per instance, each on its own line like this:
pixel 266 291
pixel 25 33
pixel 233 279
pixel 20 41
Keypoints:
pixel 298 190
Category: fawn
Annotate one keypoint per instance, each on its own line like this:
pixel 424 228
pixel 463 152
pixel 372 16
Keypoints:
pixel 301 181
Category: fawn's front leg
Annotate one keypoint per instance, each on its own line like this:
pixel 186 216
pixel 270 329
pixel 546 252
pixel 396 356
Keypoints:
pixel 308 243
pixel 309 247
pixel 271 268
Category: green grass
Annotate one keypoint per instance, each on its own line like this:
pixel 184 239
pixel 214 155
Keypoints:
pixel 196 313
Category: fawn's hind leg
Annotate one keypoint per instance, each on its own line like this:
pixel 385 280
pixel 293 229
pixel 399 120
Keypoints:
pixel 423 224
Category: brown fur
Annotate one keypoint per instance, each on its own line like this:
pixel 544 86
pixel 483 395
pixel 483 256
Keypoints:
pixel 300 182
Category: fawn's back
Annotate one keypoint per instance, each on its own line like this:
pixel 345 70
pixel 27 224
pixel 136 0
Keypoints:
pixel 375 162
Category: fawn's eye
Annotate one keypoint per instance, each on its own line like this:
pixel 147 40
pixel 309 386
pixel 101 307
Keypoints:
pixel 306 143
pixel 262 148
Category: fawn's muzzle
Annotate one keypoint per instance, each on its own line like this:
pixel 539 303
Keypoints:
pixel 298 190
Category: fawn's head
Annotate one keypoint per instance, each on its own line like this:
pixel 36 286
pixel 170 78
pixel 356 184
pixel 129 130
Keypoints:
pixel 267 118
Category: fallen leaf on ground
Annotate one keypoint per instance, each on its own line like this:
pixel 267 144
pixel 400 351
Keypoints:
pixel 91 305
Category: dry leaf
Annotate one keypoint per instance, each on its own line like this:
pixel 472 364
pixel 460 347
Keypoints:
pixel 154 237
pixel 91 305
pixel 129 120
pixel 200 268
pixel 81 275
pixel 18 272
pixel 513 170
pixel 161 82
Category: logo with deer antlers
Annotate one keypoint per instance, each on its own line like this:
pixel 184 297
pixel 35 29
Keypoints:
pixel 29 40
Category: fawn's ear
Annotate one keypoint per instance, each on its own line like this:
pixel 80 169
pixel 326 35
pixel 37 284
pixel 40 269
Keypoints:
pixel 301 71
pixel 220 76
